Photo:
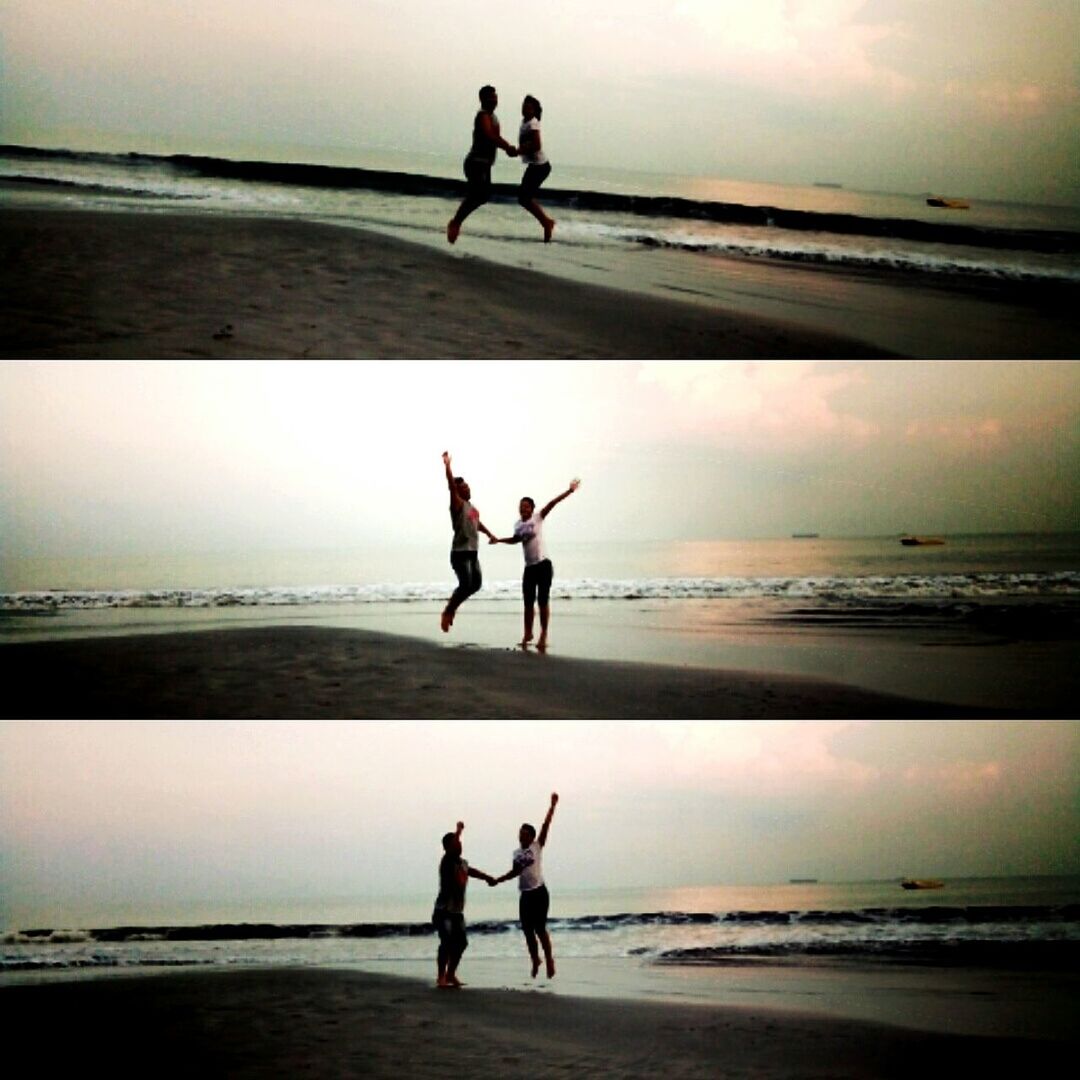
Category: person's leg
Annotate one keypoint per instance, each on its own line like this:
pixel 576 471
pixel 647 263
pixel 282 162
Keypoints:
pixel 540 914
pixel 545 572
pixel 528 595
pixel 460 564
pixel 442 957
pixel 527 928
pixel 459 944
pixel 534 176
pixel 478 175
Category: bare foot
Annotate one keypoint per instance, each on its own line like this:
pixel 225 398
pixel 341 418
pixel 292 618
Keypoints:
pixel 454 982
pixel 541 645
pixel 524 642
pixel 452 230
pixel 446 621
pixel 441 983
pixel 535 966
pixel 550 967
pixel 549 228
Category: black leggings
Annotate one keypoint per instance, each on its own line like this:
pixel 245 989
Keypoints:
pixel 466 565
pixel 478 191
pixel 537 578
pixel 534 176
pixel 533 911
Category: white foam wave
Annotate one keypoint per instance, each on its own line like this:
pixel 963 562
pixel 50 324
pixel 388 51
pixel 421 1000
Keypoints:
pixel 972 586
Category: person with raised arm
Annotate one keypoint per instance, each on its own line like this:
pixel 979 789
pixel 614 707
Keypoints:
pixel 448 915
pixel 464 554
pixel 538 574
pixel 534 902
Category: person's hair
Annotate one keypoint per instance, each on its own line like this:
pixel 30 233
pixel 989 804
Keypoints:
pixel 531 502
pixel 459 479
pixel 531 831
pixel 447 840
pixel 485 90
pixel 536 105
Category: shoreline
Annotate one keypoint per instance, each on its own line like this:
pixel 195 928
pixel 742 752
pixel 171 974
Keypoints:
pixel 319 1022
pixel 184 283
pixel 323 672
pixel 151 285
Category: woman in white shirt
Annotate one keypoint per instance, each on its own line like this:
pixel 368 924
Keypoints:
pixel 533 906
pixel 537 166
pixel 528 531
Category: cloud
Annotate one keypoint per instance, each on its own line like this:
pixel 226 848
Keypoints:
pixel 790 401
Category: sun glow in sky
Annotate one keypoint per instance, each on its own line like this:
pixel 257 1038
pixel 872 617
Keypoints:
pixel 99 813
pixel 974 97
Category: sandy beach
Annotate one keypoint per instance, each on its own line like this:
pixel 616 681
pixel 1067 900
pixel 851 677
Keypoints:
pixel 84 284
pixel 300 671
pixel 326 1023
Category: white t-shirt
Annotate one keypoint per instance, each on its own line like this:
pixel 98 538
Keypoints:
pixel 539 158
pixel 529 859
pixel 531 533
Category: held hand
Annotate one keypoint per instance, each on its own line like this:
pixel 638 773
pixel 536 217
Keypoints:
pixel 494 540
pixel 460 826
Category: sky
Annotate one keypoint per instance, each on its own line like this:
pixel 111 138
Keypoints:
pixel 102 813
pixel 145 458
pixel 979 98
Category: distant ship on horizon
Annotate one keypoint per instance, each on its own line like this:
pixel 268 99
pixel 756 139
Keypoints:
pixel 804 536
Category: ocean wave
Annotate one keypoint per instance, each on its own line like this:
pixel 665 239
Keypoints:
pixel 671 207
pixel 825 254
pixel 100 188
pixel 834 590
pixel 899 917
pixel 1010 954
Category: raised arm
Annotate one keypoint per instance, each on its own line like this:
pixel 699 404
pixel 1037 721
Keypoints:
pixel 455 498
pixel 542 838
pixel 574 485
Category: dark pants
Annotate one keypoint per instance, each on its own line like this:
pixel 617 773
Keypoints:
pixel 452 939
pixel 533 910
pixel 534 176
pixel 537 578
pixel 466 565
pixel 478 191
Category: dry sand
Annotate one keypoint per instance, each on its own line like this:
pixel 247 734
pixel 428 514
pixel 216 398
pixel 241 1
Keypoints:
pixel 325 1023
pixel 299 671
pixel 89 284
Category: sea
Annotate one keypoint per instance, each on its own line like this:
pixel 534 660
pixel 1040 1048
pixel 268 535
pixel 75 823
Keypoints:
pixel 988 620
pixel 706 240
pixel 1022 922
pixel 974 955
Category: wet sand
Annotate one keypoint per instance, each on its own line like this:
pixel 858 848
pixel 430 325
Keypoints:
pixel 326 1023
pixel 303 671
pixel 113 284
